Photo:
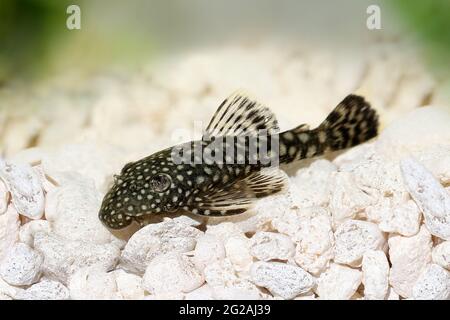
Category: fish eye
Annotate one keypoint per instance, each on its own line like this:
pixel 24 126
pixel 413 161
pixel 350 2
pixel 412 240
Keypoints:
pixel 160 182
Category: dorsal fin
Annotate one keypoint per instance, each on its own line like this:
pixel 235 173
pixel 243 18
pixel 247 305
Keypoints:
pixel 239 115
pixel 301 128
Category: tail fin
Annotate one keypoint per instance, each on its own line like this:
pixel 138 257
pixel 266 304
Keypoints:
pixel 352 122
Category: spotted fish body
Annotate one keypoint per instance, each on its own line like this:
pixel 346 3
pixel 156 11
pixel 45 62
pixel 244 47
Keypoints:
pixel 230 172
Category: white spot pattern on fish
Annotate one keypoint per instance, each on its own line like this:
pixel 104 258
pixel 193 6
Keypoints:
pixel 210 187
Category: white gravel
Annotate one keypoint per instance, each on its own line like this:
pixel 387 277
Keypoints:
pixel 372 223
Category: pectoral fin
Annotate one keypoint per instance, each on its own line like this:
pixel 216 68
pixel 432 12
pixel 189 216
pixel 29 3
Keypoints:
pixel 239 196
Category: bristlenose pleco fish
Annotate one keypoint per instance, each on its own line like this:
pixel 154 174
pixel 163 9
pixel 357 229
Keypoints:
pixel 233 164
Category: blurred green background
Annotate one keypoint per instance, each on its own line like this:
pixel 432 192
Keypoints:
pixel 35 43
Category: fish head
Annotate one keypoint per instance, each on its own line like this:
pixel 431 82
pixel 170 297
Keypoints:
pixel 144 187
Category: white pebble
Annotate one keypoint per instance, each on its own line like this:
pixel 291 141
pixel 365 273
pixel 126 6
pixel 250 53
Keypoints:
pixel 237 250
pixel 375 277
pixel 193 221
pixel 47 183
pixel 315 240
pixel 392 295
pixel 45 290
pixel 9 230
pixel 281 279
pixel 129 286
pixel 208 249
pixel 353 238
pixel 226 284
pixel 243 290
pixel 287 221
pixel 374 176
pixel 28 230
pixel 7 291
pixel 430 196
pixel 155 239
pixel 436 158
pixel 432 284
pixel 21 266
pixel 409 257
pixel 220 273
pixel 396 216
pixel 72 211
pixel 92 283
pixel 338 283
pixel 25 187
pixel 224 230
pixel 266 210
pixel 313 184
pixel 172 272
pixel 64 257
pixel 267 246
pixel 347 198
pixel 205 292
pixel 96 161
pixel 441 254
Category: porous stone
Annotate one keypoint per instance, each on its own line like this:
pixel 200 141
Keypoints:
pixel 347 199
pixel 172 272
pixel 375 275
pixel 72 211
pixel 25 187
pixel 226 284
pixel 432 284
pixel 28 230
pixel 409 256
pixel 281 279
pixel 45 290
pixel 64 257
pixel 354 238
pixel 267 211
pixel 21 266
pixel 314 239
pixel 338 283
pixel 441 254
pixel 93 161
pixel 9 230
pixel 205 292
pixel 267 246
pixel 224 231
pixel 155 239
pixel 400 216
pixel 430 196
pixel 375 176
pixel 129 286
pixel 208 249
pixel 7 291
pixel 392 295
pixel 92 283
pixel 237 250
pixel 313 184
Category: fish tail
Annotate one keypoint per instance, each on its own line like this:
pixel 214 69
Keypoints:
pixel 352 122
